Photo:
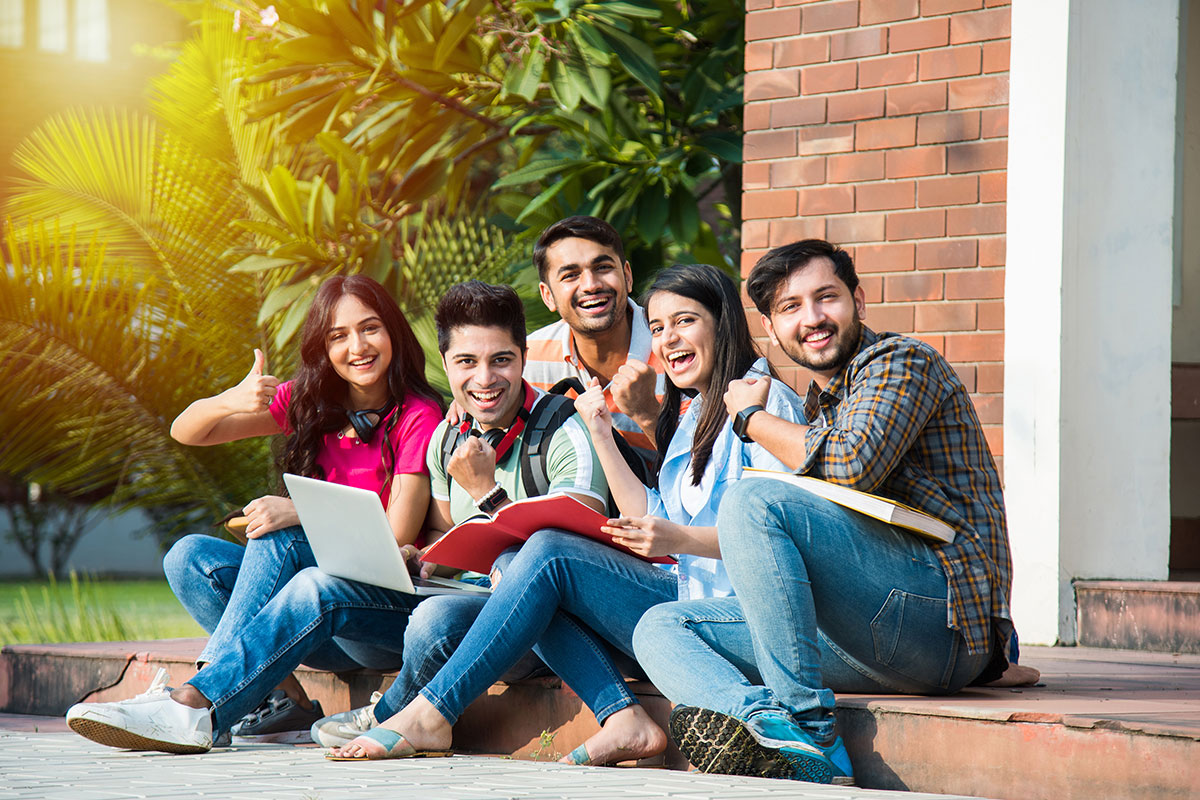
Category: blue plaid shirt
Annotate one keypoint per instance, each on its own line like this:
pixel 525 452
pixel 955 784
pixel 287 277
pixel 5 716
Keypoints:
pixel 898 422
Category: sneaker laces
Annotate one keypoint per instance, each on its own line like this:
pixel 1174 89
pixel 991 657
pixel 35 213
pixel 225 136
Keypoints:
pixel 159 684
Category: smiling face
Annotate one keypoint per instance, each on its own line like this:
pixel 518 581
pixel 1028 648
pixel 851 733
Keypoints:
pixel 683 337
pixel 586 283
pixel 484 366
pixel 816 319
pixel 359 350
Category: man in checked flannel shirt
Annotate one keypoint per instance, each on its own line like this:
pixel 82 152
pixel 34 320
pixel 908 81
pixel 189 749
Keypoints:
pixel 828 599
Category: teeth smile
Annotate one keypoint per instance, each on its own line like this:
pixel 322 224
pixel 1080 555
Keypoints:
pixel 677 356
pixel 362 362
pixel 485 397
pixel 818 336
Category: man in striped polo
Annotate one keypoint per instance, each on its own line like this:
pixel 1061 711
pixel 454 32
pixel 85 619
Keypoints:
pixel 603 332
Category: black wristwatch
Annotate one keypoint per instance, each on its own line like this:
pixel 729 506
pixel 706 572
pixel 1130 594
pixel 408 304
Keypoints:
pixel 742 420
pixel 492 500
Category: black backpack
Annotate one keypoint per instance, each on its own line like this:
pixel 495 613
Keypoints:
pixel 548 415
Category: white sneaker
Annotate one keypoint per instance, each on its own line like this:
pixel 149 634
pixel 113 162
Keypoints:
pixel 339 729
pixel 150 721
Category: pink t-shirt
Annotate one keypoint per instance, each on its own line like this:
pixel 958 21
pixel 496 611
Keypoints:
pixel 346 460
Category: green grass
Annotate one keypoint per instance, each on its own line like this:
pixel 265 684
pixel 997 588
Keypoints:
pixel 91 610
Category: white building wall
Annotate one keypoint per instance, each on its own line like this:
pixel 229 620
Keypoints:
pixel 1091 183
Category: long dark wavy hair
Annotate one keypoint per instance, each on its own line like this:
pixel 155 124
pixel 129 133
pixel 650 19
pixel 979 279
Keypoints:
pixel 734 352
pixel 319 393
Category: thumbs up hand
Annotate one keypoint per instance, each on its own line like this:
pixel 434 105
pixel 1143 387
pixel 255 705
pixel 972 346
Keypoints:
pixel 255 391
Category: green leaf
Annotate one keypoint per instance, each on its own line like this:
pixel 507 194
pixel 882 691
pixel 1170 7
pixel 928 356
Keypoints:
pixel 529 73
pixel 626 9
pixel 684 216
pixel 635 56
pixel 464 21
pixel 534 172
pixel 257 263
pixel 652 213
pixel 726 146
pixel 424 181
pixel 545 197
pixel 350 25
pixel 314 50
pixel 293 319
pixel 565 85
pixel 279 298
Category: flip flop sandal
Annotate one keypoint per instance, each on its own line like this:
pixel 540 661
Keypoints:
pixel 391 742
pixel 579 758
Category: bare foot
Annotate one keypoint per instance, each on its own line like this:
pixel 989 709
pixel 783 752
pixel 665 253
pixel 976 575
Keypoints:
pixel 418 722
pixel 627 735
pixel 1017 675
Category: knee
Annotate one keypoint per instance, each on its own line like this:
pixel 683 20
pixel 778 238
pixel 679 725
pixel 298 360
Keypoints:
pixel 308 588
pixel 183 558
pixel 659 624
pixel 500 565
pixel 439 621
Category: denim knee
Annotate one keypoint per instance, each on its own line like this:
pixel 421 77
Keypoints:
pixel 656 627
pixel 181 560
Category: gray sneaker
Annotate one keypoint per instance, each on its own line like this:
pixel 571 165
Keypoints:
pixel 339 729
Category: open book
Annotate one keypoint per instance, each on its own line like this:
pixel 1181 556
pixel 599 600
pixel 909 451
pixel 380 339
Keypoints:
pixel 474 543
pixel 872 505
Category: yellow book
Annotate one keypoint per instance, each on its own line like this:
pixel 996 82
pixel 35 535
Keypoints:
pixel 872 505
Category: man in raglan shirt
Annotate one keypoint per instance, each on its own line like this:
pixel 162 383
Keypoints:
pixel 828 599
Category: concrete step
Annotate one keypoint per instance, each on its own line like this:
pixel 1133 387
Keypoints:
pixel 1105 723
pixel 1160 616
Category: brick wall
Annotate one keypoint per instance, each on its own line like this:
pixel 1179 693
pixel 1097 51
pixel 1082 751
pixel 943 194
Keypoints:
pixel 881 125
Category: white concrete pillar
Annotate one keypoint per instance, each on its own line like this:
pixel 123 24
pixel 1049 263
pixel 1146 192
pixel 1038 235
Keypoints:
pixel 1091 183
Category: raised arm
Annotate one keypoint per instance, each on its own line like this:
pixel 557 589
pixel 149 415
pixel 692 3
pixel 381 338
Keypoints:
pixel 627 490
pixel 236 413
pixel 781 438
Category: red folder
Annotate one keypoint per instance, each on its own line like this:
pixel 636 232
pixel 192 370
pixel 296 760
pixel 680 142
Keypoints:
pixel 474 543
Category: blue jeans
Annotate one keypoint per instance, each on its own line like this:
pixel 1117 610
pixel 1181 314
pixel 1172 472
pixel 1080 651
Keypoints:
pixel 269 610
pixel 827 600
pixel 569 596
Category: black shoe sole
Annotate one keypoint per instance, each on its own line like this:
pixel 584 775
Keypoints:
pixel 718 743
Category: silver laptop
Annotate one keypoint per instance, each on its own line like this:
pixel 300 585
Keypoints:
pixel 351 538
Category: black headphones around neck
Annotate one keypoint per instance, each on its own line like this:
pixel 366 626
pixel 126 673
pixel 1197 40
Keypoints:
pixel 362 422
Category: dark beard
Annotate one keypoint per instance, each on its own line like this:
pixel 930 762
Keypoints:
pixel 845 344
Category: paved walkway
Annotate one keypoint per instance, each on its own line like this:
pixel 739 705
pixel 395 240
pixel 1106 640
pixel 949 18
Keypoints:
pixel 63 766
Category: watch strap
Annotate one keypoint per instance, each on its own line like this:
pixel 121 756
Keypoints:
pixel 742 420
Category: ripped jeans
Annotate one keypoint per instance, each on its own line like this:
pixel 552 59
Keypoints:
pixel 827 600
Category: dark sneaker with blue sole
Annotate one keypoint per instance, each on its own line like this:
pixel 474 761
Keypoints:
pixel 718 743
pixel 278 719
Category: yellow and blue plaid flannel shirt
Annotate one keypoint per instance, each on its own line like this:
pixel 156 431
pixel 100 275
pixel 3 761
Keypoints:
pixel 898 422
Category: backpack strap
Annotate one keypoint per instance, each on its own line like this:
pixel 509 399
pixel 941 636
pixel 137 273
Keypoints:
pixel 550 414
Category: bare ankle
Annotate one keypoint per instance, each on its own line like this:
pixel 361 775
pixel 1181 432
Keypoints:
pixel 190 696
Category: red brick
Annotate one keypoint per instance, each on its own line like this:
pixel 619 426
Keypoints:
pixel 756 116
pixel 966 372
pixel 916 225
pixel 858 44
pixel 945 317
pixel 915 161
pixel 918 35
pixel 754 233
pixel 798 52
pixel 993 187
pixel 759 55
pixel 975 220
pixel 768 144
pixel 830 16
pixel 772 204
pixel 975 284
pixel 989 408
pixel 828 78
pixel 956 126
pixel 856 228
pixel 917 99
pixel 980 26
pixel 995 439
pixel 797 171
pixel 989 377
pixel 976 156
pixel 991 315
pixel 855 167
pixel 772 83
pixel 872 12
pixel 885 133
pixel 756 175
pixel 990 90
pixel 759 5
pixel 786 231
pixel 951 191
pixel 772 24
pixel 749 257
pixel 989 3
pixel 915 286
pixel 872 286
pixel 892 317
pixel 931 8
pixel 995 56
pixel 855 105
pixel 975 347
pixel 953 254
pixel 992 251
pixel 994 122
pixel 791 113
pixel 884 196
pixel 936 342
pixel 952 62
pixel 887 71
pixel 883 257
pixel 826 200
pixel 820 139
